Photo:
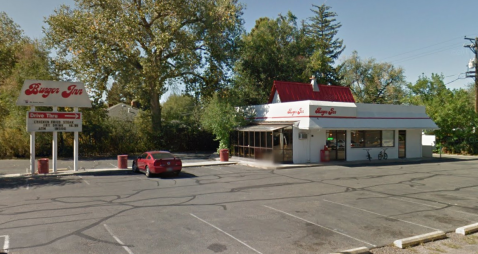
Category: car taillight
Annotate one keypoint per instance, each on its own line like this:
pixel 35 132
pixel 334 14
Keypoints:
pixel 157 162
pixel 178 162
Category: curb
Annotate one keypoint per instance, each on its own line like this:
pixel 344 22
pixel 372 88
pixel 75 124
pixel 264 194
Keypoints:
pixel 360 250
pixel 416 240
pixel 51 174
pixel 465 230
pixel 70 172
pixel 202 164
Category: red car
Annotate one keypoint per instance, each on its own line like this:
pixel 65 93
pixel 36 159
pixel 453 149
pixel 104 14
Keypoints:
pixel 156 162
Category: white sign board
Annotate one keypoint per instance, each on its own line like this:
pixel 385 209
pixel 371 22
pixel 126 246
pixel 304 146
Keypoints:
pixel 53 121
pixel 338 111
pixel 53 94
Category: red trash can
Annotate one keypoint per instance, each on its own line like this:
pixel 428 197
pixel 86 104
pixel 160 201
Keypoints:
pixel 122 161
pixel 43 167
pixel 327 155
pixel 224 154
pixel 324 155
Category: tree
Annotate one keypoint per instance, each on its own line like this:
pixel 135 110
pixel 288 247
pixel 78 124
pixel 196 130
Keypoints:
pixel 118 93
pixel 322 29
pixel 452 110
pixel 426 90
pixel 20 58
pixel 180 108
pixel 221 117
pixel 145 44
pixel 372 82
pixel 273 50
pixel 11 40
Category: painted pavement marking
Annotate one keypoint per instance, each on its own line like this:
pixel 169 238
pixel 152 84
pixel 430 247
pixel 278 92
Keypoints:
pixel 245 244
pixel 84 180
pixel 118 240
pixel 381 215
pixel 333 230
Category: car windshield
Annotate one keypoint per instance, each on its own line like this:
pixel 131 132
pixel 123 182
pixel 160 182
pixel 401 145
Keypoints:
pixel 158 156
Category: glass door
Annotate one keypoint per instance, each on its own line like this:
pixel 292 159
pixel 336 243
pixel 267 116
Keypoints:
pixel 341 145
pixel 402 144
pixel 336 144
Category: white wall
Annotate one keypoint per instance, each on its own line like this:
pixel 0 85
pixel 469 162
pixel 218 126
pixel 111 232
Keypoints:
pixel 414 144
pixel 358 154
pixel 308 150
pixel 301 146
pixel 428 140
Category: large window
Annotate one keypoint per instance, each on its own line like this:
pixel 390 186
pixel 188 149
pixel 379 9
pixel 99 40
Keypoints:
pixel 260 143
pixel 372 138
pixel 388 138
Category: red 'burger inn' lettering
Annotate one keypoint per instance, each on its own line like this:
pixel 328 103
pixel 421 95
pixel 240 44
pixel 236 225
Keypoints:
pixel 36 88
pixel 71 91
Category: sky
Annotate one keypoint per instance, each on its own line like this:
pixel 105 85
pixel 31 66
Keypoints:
pixel 421 36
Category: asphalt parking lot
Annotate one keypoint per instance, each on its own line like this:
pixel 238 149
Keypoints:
pixel 22 166
pixel 237 209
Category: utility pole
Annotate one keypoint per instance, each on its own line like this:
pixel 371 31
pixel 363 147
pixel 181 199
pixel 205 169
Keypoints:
pixel 473 74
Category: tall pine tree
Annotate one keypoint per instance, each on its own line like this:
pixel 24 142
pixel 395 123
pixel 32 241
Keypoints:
pixel 322 29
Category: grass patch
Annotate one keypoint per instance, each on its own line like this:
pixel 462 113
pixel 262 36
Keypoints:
pixel 436 249
pixel 472 239
pixel 451 246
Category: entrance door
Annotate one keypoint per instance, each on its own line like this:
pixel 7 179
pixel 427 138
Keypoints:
pixel 402 144
pixel 336 144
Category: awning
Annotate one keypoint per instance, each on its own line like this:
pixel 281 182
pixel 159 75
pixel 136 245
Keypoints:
pixel 367 123
pixel 263 127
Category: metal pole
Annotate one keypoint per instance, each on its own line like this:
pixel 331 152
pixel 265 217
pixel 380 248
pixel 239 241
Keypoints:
pixel 474 48
pixel 75 148
pixel 476 74
pixel 32 149
pixel 55 146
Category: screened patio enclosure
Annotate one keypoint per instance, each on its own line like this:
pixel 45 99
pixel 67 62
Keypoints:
pixel 272 142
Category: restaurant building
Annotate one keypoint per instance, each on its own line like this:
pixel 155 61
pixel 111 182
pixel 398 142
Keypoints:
pixel 301 118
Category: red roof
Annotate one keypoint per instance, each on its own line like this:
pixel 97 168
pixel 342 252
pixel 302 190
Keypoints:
pixel 295 91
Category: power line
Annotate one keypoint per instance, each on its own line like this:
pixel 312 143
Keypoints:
pixel 456 78
pixel 431 52
pixel 421 48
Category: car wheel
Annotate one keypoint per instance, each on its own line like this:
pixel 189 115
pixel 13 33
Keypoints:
pixel 148 173
pixel 134 167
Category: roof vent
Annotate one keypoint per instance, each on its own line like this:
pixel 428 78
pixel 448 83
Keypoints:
pixel 313 82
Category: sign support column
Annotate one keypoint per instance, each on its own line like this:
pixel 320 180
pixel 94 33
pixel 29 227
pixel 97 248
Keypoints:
pixel 32 149
pixel 55 146
pixel 75 147
pixel 47 93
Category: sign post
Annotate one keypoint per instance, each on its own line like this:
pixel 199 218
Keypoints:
pixel 32 149
pixel 75 149
pixel 55 146
pixel 53 94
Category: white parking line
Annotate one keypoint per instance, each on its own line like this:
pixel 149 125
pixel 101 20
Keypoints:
pixel 245 244
pixel 84 180
pixel 438 207
pixel 28 185
pixel 118 240
pixel 385 216
pixel 333 230
pixel 115 166
pixel 6 242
